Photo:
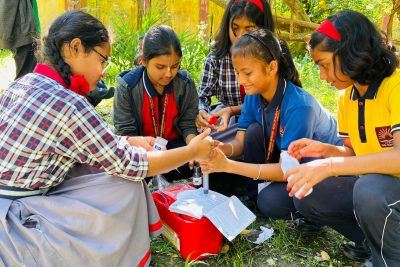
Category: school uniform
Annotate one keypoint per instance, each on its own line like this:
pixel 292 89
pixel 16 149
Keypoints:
pixel 300 116
pixel 370 121
pixel 219 79
pixel 71 191
pixel 139 110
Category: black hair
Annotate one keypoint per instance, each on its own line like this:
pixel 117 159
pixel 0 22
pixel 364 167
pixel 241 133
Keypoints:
pixel 235 10
pixel 65 28
pixel 161 40
pixel 363 53
pixel 263 45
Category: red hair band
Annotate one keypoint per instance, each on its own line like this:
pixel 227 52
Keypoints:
pixel 327 28
pixel 256 2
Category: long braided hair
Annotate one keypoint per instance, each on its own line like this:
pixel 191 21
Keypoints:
pixel 71 25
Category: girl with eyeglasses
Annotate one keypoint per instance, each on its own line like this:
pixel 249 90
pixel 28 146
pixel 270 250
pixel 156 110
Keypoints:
pixel 71 191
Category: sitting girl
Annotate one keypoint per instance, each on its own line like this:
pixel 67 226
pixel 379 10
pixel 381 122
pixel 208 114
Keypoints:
pixel 157 99
pixel 353 57
pixel 71 191
pixel 218 77
pixel 276 112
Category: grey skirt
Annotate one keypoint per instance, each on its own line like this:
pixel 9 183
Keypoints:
pixel 90 219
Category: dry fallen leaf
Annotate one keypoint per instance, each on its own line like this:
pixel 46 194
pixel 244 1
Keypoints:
pixel 271 262
pixel 325 256
pixel 245 232
pixel 224 249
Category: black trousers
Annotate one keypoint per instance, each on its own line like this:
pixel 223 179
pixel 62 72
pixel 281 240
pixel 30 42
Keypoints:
pixel 25 60
pixel 331 202
pixel 377 208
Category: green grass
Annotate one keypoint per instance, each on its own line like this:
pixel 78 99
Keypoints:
pixel 287 247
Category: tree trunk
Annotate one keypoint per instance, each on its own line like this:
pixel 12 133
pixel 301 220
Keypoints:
pixel 395 10
pixel 140 12
pixel 203 16
pixel 297 9
pixel 74 4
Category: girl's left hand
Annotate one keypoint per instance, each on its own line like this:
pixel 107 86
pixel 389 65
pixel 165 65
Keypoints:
pixel 224 116
pixel 217 162
pixel 308 175
pixel 146 142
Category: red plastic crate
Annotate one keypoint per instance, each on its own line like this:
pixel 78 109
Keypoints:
pixel 194 238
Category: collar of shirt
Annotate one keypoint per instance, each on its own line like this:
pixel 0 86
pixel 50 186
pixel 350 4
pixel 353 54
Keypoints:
pixel 370 94
pixel 49 72
pixel 151 91
pixel 276 100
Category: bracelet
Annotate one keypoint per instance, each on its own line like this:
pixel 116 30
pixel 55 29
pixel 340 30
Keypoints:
pixel 259 172
pixel 330 166
pixel 230 155
pixel 231 111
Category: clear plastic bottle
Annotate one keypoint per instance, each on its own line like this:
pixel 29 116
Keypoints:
pixel 159 182
pixel 197 177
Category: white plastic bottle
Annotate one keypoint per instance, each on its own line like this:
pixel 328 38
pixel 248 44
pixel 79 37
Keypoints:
pixel 287 163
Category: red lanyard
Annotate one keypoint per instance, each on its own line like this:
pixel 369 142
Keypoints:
pixel 274 128
pixel 153 116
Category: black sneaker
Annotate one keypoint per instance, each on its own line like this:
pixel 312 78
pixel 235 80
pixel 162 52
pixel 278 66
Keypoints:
pixel 308 228
pixel 357 251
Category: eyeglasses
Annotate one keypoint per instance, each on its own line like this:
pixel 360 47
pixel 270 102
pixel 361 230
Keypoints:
pixel 106 63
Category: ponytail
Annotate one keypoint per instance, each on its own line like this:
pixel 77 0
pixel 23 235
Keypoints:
pixel 287 69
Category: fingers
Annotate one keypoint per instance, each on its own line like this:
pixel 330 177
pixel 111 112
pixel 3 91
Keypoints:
pixel 302 188
pixel 204 167
pixel 223 125
pixel 146 146
pixel 202 119
pixel 150 140
pixel 205 133
pixel 191 164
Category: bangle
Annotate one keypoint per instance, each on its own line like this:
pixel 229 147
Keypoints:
pixel 230 155
pixel 330 167
pixel 231 109
pixel 259 172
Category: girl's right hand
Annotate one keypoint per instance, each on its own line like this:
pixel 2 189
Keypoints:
pixel 202 145
pixel 202 120
pixel 306 148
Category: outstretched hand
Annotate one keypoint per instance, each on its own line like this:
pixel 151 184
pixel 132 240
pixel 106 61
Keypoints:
pixel 202 145
pixel 217 162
